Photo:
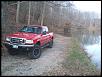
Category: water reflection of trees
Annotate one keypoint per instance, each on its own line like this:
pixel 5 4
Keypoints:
pixel 86 37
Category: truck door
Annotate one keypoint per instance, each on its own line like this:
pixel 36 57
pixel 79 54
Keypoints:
pixel 43 37
pixel 47 35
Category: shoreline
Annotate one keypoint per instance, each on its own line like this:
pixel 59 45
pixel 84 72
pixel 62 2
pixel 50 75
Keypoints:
pixel 79 57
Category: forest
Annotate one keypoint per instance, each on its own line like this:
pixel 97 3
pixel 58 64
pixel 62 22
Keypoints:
pixel 57 15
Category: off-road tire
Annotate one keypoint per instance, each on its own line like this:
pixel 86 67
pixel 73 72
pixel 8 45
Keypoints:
pixel 35 52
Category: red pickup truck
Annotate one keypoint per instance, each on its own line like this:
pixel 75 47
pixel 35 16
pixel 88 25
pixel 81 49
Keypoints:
pixel 32 38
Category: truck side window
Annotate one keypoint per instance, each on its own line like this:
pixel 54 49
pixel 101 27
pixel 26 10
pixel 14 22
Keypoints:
pixel 38 30
pixel 29 29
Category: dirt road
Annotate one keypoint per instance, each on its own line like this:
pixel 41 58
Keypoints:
pixel 50 59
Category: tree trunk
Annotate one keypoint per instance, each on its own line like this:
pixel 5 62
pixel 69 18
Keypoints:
pixel 42 19
pixel 29 13
pixel 17 13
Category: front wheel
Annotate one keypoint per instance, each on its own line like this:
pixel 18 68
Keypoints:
pixel 35 52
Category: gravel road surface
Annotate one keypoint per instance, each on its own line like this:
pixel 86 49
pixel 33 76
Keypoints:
pixel 21 65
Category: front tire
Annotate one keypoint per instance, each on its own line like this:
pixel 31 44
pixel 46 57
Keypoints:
pixel 35 52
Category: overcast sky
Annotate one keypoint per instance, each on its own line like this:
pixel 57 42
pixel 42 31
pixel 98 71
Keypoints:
pixel 89 6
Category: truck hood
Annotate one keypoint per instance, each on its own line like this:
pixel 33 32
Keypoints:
pixel 23 35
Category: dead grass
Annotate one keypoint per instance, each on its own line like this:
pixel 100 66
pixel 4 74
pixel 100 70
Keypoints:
pixel 78 63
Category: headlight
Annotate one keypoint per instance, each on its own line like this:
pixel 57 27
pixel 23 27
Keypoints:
pixel 7 39
pixel 28 41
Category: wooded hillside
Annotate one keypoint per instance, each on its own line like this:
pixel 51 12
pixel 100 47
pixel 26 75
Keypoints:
pixel 57 15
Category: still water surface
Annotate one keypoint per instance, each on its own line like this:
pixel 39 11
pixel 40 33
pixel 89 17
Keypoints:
pixel 91 41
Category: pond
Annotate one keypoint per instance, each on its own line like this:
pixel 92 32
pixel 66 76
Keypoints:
pixel 91 41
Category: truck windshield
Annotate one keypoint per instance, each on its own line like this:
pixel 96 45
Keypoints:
pixel 36 30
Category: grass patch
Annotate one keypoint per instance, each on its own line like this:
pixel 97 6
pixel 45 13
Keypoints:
pixel 77 54
pixel 77 62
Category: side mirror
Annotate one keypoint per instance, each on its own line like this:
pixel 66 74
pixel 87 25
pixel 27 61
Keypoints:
pixel 44 33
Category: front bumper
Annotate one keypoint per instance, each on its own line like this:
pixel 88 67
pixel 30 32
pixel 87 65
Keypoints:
pixel 9 45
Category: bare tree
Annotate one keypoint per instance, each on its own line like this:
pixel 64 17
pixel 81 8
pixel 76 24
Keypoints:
pixel 54 14
pixel 29 13
pixel 17 13
pixel 42 19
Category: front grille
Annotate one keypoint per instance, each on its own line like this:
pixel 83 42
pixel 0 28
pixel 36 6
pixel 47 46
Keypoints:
pixel 17 40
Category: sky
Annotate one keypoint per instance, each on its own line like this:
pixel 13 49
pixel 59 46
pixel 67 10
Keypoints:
pixel 89 6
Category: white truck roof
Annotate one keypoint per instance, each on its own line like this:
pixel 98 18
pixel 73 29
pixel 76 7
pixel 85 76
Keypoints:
pixel 45 28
